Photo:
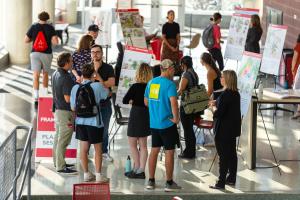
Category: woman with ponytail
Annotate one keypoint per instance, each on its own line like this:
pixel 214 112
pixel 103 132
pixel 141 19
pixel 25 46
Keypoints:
pixel 216 50
pixel 213 73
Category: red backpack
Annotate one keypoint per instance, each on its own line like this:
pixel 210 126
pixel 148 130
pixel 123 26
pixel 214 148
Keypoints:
pixel 40 43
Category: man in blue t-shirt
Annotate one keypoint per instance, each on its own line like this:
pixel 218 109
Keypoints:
pixel 161 98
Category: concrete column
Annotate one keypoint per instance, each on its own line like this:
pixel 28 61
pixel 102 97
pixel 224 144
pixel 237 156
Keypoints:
pixel 71 11
pixel 43 5
pixel 1 21
pixel 18 15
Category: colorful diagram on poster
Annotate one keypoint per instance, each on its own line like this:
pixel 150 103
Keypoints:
pixel 247 75
pixel 273 49
pixel 237 36
pixel 132 27
pixel 133 58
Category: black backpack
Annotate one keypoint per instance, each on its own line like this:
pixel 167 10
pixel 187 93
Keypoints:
pixel 85 101
pixel 208 36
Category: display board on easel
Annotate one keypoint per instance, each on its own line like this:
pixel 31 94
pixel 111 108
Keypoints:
pixel 132 27
pixel 247 75
pixel 237 36
pixel 273 49
pixel 133 57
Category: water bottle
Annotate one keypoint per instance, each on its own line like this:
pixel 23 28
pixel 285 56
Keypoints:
pixel 128 165
pixel 260 90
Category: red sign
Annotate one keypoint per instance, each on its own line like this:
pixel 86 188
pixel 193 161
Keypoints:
pixel 45 115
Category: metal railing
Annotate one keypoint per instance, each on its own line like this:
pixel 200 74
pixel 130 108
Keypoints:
pixel 9 174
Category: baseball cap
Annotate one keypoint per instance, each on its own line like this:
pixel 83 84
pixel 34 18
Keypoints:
pixel 166 63
pixel 93 28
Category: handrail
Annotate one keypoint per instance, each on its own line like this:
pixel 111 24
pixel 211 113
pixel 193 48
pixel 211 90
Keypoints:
pixel 27 151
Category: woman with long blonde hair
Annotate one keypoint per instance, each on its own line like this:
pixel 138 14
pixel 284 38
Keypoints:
pixel 227 126
pixel 138 125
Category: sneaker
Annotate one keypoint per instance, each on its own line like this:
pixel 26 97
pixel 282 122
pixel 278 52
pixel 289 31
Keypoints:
pixel 101 178
pixel 137 176
pixel 172 187
pixel 150 185
pixel 70 165
pixel 67 171
pixel 107 157
pixel 87 177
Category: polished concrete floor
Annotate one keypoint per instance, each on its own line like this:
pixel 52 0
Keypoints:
pixel 192 175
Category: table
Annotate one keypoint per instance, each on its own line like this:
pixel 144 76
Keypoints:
pixel 269 97
pixel 59 29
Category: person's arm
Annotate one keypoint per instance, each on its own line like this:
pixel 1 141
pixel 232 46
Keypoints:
pixel 128 96
pixel 54 40
pixel 72 99
pixel 210 83
pixel 294 61
pixel 78 78
pixel 27 39
pixel 178 38
pixel 67 98
pixel 217 34
pixel 222 105
pixel 182 85
pixel 174 106
pixel 146 101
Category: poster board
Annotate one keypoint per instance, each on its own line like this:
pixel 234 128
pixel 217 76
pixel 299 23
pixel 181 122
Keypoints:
pixel 273 49
pixel 133 57
pixel 103 18
pixel 124 4
pixel 46 131
pixel 247 75
pixel 237 36
pixel 246 11
pixel 132 28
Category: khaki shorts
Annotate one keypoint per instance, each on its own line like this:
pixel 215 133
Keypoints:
pixel 40 61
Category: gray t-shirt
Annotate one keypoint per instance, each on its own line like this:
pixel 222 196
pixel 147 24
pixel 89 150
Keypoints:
pixel 62 84
pixel 192 78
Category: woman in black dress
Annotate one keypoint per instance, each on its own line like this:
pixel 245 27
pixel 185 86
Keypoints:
pixel 227 126
pixel 254 34
pixel 171 39
pixel 139 122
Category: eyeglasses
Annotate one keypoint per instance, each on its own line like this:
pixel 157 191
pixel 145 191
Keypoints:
pixel 96 52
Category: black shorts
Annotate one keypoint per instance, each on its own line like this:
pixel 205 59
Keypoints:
pixel 91 134
pixel 168 138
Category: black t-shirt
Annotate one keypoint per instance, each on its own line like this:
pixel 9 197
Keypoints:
pixel 136 93
pixel 62 84
pixel 48 30
pixel 170 30
pixel 106 71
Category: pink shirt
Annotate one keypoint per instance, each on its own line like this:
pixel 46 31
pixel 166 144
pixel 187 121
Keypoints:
pixel 217 36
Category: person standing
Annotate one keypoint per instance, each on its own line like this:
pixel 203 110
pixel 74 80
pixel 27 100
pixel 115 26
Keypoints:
pixel 81 56
pixel 93 31
pixel 213 73
pixel 138 125
pixel 227 126
pixel 216 50
pixel 62 84
pixel 105 75
pixel 89 129
pixel 254 34
pixel 42 35
pixel 296 73
pixel 161 99
pixel 188 80
pixel 170 39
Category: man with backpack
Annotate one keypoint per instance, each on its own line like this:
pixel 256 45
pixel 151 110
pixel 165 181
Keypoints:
pixel 85 101
pixel 62 84
pixel 42 35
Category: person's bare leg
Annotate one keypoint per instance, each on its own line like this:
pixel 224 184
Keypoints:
pixel 134 151
pixel 98 157
pixel 152 161
pixel 84 146
pixel 143 154
pixel 169 162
